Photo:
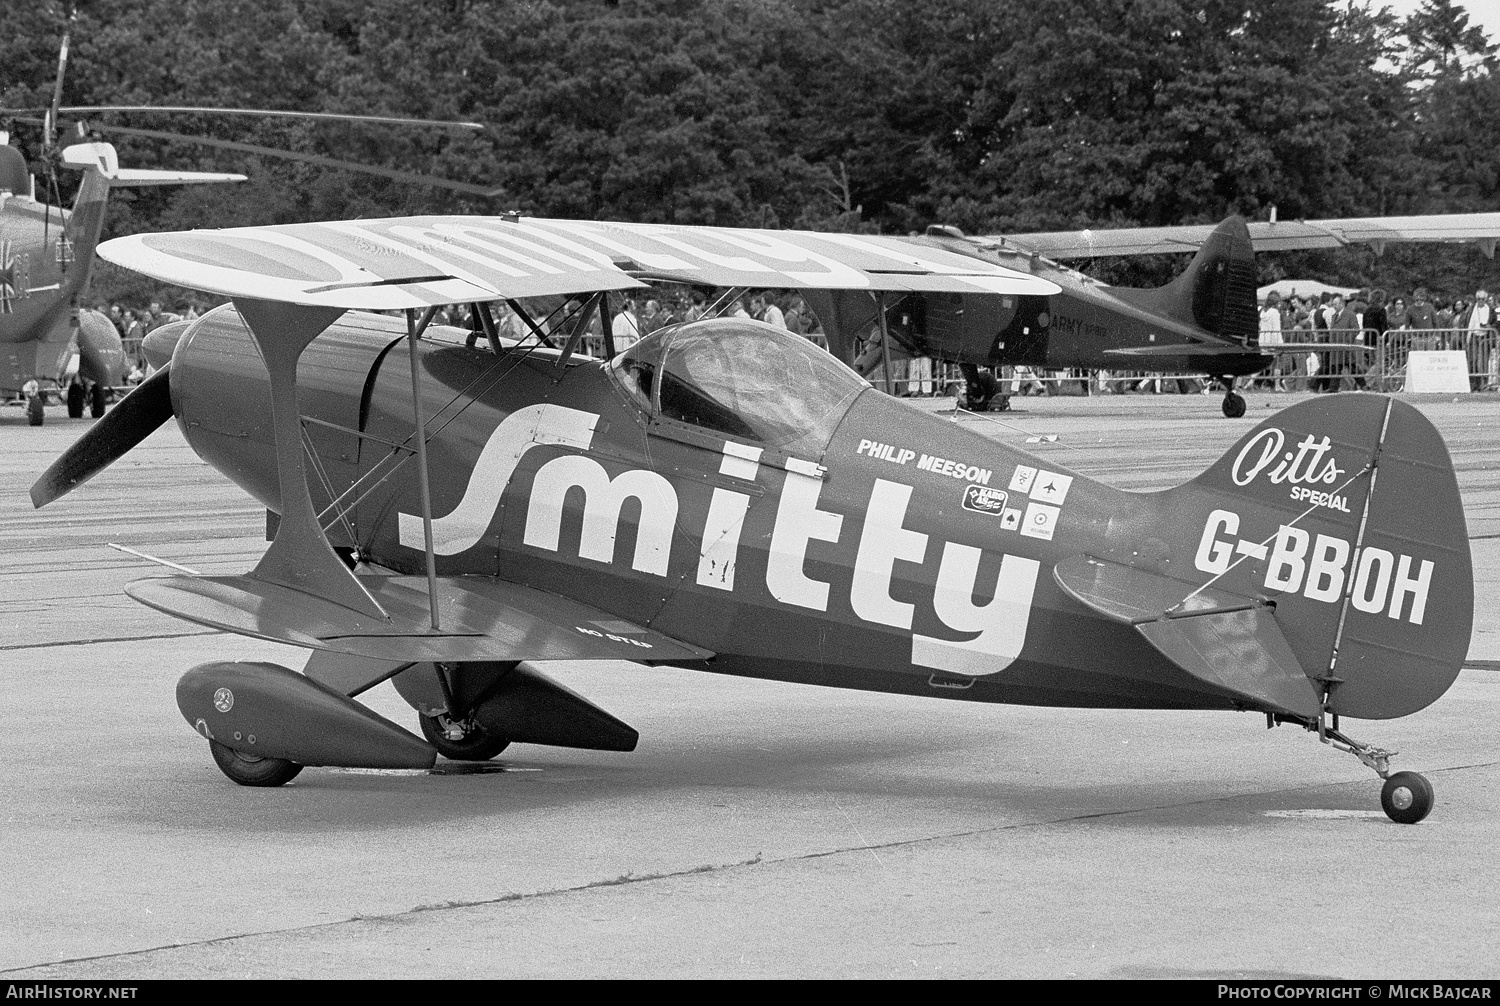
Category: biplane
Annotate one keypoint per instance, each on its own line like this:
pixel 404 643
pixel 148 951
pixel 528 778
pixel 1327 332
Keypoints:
pixel 725 496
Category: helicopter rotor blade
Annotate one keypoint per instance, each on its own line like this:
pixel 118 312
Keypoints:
pixel 486 192
pixel 377 120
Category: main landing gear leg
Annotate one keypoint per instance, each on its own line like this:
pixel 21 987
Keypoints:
pixel 1234 404
pixel 1406 797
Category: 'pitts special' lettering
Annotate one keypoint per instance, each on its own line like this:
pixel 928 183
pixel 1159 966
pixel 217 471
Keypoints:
pixel 999 625
pixel 1320 567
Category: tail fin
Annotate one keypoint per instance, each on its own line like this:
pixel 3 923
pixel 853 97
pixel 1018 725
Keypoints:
pixel 1345 513
pixel 1217 292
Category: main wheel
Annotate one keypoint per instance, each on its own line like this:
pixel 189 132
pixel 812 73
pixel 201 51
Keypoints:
pixel 35 410
pixel 474 745
pixel 1234 405
pixel 75 401
pixel 1406 797
pixel 96 401
pixel 250 770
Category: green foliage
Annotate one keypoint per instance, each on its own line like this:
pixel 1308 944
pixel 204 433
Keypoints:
pixel 993 115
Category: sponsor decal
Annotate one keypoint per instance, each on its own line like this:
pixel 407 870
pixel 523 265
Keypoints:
pixel 1021 480
pixel 1040 521
pixel 1322 567
pixel 997 628
pixel 954 469
pixel 614 637
pixel 983 500
pixel 1010 519
pixel 1263 454
pixel 1050 487
pixel 223 700
pixel 886 452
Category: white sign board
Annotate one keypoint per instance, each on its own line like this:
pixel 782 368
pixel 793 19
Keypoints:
pixel 1445 371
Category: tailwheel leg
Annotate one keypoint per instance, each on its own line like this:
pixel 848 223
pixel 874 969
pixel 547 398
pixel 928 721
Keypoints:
pixel 1406 797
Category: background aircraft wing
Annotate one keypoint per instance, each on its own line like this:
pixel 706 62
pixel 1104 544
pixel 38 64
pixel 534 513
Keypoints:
pixel 416 262
pixel 1482 229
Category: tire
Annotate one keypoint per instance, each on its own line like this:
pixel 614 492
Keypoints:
pixel 248 770
pixel 35 410
pixel 96 401
pixel 1234 406
pixel 1406 797
pixel 75 401
pixel 475 746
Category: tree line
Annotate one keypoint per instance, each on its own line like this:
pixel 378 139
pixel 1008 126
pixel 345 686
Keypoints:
pixel 878 115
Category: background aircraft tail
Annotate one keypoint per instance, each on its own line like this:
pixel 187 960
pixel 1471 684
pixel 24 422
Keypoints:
pixel 1345 512
pixel 1217 292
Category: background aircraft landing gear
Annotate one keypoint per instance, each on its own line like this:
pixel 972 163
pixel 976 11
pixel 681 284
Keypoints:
pixel 1234 403
pixel 75 401
pixel 1406 797
pixel 96 401
pixel 460 740
pixel 35 410
pixel 250 770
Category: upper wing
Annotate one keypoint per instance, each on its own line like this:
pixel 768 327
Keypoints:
pixel 415 262
pixel 1284 235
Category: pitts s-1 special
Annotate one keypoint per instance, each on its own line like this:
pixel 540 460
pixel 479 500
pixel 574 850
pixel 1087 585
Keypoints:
pixel 727 497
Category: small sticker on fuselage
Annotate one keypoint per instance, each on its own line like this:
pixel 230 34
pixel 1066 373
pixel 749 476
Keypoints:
pixel 1040 521
pixel 1010 519
pixel 1021 481
pixel 1050 487
pixel 981 499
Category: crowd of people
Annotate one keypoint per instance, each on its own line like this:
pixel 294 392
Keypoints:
pixel 1386 328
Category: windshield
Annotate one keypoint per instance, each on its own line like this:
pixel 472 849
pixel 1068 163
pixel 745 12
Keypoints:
pixel 744 379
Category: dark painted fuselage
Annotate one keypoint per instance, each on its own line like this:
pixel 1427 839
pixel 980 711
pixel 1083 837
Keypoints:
pixel 904 554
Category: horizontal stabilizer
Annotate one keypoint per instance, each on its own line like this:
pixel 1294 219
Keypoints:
pixel 482 618
pixel 1223 639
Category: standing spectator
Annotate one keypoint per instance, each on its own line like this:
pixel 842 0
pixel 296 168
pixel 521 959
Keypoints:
pixel 1271 324
pixel 1421 317
pixel 1479 343
pixel 1374 325
pixel 624 328
pixel 1396 317
pixel 769 312
pixel 1345 329
pixel 651 317
pixel 697 306
pixel 117 316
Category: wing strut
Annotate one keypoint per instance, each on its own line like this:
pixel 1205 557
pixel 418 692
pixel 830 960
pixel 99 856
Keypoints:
pixel 414 330
pixel 300 557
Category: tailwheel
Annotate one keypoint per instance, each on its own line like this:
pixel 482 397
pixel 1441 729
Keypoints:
pixel 252 770
pixel 1406 797
pixel 460 740
pixel 1234 404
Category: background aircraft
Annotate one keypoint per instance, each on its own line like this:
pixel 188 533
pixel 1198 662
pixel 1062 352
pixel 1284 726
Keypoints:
pixel 1203 322
pixel 725 496
pixel 47 339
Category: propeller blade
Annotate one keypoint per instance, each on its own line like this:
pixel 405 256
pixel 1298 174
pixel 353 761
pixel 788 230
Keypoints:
pixel 377 120
pixel 133 419
pixel 327 162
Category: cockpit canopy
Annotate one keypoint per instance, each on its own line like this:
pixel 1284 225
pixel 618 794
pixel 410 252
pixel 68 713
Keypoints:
pixel 741 378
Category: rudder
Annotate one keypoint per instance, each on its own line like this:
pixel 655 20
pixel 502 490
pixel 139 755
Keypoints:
pixel 1345 512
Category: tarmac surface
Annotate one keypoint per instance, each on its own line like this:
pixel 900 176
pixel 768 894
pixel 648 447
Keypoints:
pixel 761 829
